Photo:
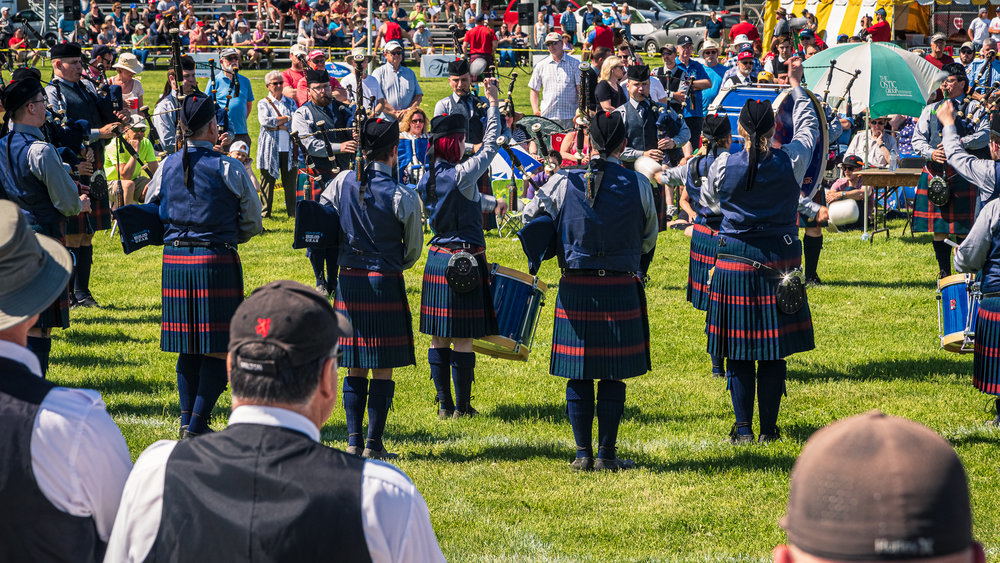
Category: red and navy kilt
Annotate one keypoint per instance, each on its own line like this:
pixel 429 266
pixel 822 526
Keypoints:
pixel 986 363
pixel 202 287
pixel 743 321
pixel 807 222
pixel 308 185
pixel 601 329
pixel 376 305
pixel 55 315
pixel 704 245
pixel 99 219
pixel 448 314
pixel 955 218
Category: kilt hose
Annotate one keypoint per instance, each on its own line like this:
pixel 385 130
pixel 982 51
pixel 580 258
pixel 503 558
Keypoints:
pixel 601 329
pixel 308 186
pixel 956 217
pixel 986 363
pixel 805 221
pixel 55 315
pixel 99 219
pixel 448 314
pixel 704 245
pixel 660 203
pixel 375 304
pixel 743 321
pixel 202 287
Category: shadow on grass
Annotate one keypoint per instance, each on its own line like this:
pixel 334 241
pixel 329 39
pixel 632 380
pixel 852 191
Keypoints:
pixel 749 457
pixel 923 369
pixel 461 453
pixel 548 412
pixel 150 317
pixel 83 361
pixel 915 284
pixel 800 431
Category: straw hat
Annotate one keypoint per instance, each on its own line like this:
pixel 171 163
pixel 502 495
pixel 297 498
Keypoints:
pixel 129 62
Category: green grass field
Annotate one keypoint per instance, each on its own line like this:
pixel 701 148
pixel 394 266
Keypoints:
pixel 499 486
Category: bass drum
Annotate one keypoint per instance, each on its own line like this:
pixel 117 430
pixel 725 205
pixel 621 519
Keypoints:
pixel 731 102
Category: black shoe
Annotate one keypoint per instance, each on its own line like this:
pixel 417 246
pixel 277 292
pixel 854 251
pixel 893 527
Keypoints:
pixel 813 280
pixel 469 411
pixel 445 414
pixel 322 290
pixel 943 274
pixel 736 438
pixel 765 438
pixel 582 464
pixel 87 301
pixel 73 303
pixel 614 464
pixel 353 450
pixel 718 373
pixel 378 454
pixel 184 429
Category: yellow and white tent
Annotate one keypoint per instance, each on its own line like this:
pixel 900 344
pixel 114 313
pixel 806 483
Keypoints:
pixel 844 16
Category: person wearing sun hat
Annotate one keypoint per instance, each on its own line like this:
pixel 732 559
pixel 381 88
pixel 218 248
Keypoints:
pixel 63 461
pixel 128 66
pixel 33 176
pixel 608 230
pixel 208 206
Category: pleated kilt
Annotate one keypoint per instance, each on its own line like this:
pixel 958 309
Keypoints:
pixel 660 203
pixel 202 287
pixel 805 221
pixel 601 328
pixel 448 314
pixel 955 218
pixel 704 245
pixel 376 305
pixel 306 187
pixel 986 363
pixel 743 321
pixel 99 219
pixel 57 314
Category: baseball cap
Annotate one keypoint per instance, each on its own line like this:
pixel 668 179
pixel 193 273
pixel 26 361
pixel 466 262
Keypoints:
pixel 316 53
pixel 553 37
pixel 242 24
pixel 668 49
pixel 982 10
pixel 391 46
pixel 968 45
pixel 420 24
pixel 229 52
pixel 874 487
pixel 299 49
pixel 881 12
pixel 240 146
pixel 853 161
pixel 807 34
pixel 296 323
pixel 938 37
pixel 684 40
pixel 589 4
pixel 745 54
pixel 137 122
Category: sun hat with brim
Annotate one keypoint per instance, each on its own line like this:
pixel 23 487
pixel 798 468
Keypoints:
pixel 129 62
pixel 35 268
pixel 503 107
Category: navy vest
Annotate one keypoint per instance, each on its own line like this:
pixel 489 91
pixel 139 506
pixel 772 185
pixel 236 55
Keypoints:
pixel 372 235
pixel 22 187
pixel 641 131
pixel 80 103
pixel 454 217
pixel 342 118
pixel 607 236
pixel 32 529
pixel 260 493
pixel 209 213
pixel 770 208
pixel 700 167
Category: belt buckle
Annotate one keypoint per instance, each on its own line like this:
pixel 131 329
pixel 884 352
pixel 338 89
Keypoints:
pixel 788 240
pixel 602 273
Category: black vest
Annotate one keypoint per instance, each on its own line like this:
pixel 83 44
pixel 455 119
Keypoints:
pixel 260 493
pixel 32 529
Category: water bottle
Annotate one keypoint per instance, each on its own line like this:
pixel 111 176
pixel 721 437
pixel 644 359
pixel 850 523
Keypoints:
pixel 893 160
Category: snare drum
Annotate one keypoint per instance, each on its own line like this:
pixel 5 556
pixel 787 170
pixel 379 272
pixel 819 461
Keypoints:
pixel 958 306
pixel 517 300
pixel 731 102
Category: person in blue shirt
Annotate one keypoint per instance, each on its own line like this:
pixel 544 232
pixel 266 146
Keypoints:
pixel 715 70
pixel 694 115
pixel 568 22
pixel 241 97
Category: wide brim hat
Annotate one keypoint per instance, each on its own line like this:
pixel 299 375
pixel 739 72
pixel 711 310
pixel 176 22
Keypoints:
pixel 129 62
pixel 355 52
pixel 502 106
pixel 36 268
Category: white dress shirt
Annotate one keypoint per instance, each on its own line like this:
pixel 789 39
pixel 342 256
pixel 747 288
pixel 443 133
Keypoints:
pixel 78 454
pixel 395 518
pixel 557 81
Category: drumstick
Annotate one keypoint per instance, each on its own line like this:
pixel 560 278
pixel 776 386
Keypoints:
pixel 951 242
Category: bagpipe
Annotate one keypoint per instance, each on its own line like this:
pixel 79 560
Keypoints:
pixel 70 138
pixel 110 98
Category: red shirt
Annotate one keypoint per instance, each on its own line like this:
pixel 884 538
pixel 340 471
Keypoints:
pixel 604 36
pixel 744 28
pixel 392 31
pixel 480 40
pixel 944 60
pixel 302 88
pixel 15 43
pixel 880 32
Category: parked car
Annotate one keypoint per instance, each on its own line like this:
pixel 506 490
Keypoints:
pixel 657 12
pixel 640 27
pixel 692 25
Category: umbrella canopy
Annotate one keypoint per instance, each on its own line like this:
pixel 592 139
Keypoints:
pixel 503 169
pixel 892 80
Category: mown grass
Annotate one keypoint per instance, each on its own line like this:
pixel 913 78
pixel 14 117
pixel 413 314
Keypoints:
pixel 499 487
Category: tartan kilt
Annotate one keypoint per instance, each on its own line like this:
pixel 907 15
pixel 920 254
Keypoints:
pixel 99 219
pixel 448 314
pixel 376 305
pixel 202 287
pixel 601 329
pixel 743 321
pixel 807 222
pixel 955 218
pixel 55 315
pixel 986 362
pixel 704 246
pixel 660 203
pixel 306 187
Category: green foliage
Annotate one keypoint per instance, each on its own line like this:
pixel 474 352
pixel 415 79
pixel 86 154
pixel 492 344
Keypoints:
pixel 499 486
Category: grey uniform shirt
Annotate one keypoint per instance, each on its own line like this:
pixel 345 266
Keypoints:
pixel 45 164
pixel 709 193
pixel 550 197
pixel 405 204
pixel 237 179
pixel 683 136
pixel 468 172
pixel 304 123
pixel 453 104
pixel 165 121
pixel 979 171
pixel 972 254
pixel 927 133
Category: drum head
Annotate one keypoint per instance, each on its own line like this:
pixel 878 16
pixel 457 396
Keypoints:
pixel 502 348
pixel 784 128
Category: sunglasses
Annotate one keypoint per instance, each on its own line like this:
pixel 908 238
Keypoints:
pixel 278 83
pixel 966 51
pixel 420 120
pixel 710 53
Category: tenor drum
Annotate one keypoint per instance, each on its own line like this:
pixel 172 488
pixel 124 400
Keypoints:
pixel 731 102
pixel 958 306
pixel 517 300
